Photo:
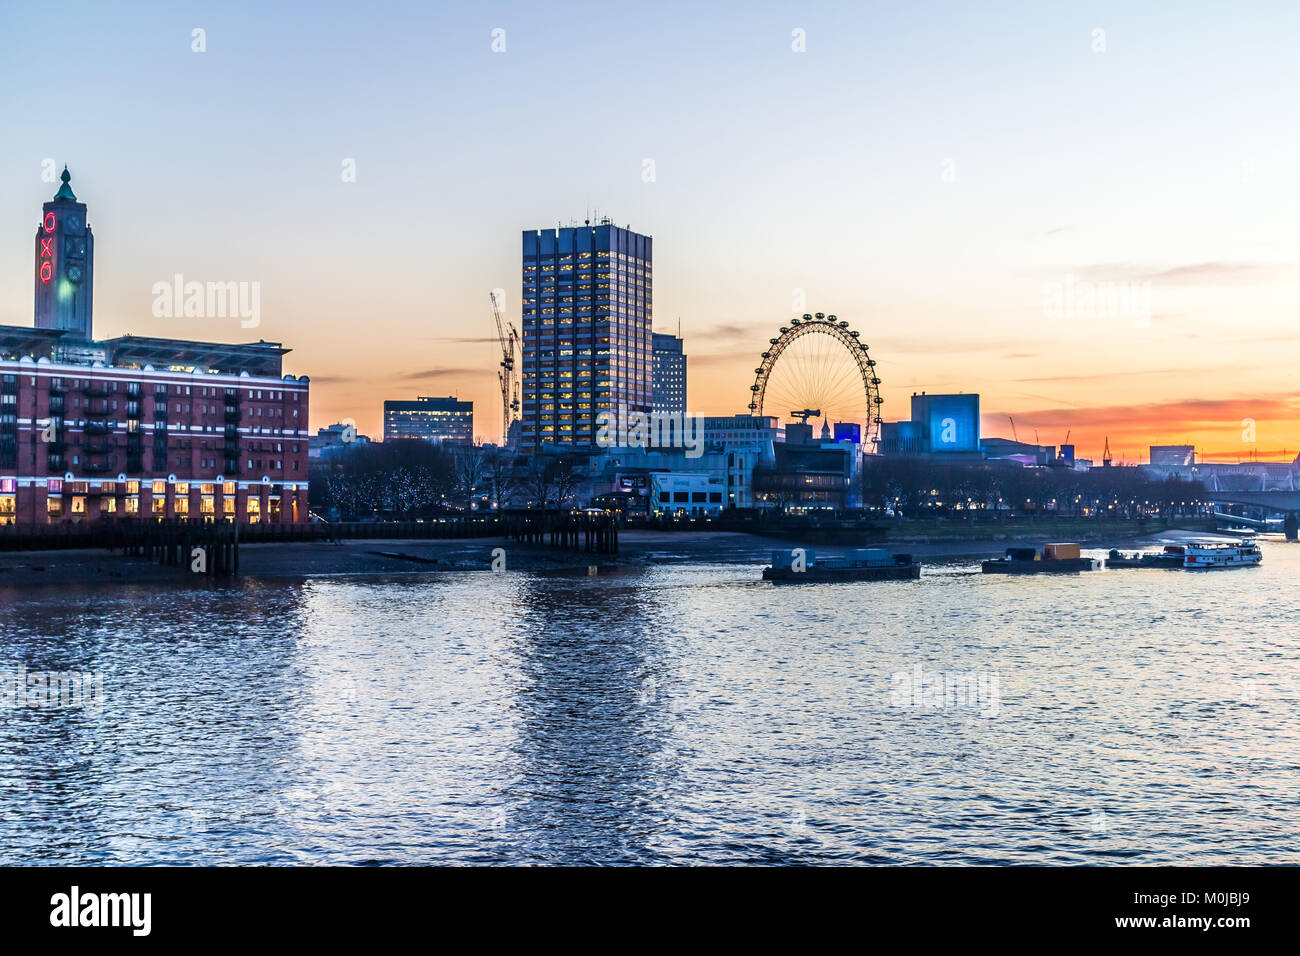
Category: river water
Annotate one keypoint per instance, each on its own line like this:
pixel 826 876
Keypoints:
pixel 680 713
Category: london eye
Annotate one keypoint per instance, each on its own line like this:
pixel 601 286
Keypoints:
pixel 817 367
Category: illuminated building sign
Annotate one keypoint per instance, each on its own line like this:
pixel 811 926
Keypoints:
pixel 47 248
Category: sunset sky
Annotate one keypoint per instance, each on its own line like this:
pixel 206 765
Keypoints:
pixel 928 172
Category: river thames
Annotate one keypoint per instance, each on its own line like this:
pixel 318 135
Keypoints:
pixel 672 713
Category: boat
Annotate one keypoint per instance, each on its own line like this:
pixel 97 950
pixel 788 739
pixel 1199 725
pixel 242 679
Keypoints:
pixel 1206 556
pixel 1058 558
pixel 803 566
pixel 1170 557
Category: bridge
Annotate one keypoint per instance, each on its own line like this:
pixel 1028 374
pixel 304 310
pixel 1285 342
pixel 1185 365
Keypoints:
pixel 1285 502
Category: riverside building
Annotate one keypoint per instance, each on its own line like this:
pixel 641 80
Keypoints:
pixel 138 427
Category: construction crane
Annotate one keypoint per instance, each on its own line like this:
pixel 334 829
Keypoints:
pixel 806 413
pixel 1013 429
pixel 508 338
pixel 1105 455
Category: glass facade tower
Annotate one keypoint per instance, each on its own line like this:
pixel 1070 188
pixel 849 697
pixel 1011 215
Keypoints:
pixel 586 313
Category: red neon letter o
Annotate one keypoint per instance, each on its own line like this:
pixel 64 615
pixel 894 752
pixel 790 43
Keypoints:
pixel 49 222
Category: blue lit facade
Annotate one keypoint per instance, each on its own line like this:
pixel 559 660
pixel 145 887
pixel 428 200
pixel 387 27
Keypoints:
pixel 586 313
pixel 948 423
pixel 940 425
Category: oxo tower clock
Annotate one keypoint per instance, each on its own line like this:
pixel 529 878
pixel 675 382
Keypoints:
pixel 65 258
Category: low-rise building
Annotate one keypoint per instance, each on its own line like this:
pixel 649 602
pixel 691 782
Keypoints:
pixel 697 494
pixel 444 420
pixel 334 439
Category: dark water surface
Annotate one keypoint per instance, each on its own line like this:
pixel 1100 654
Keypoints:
pixel 676 714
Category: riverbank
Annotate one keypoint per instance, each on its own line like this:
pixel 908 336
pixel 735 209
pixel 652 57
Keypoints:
pixel 301 559
pixel 1084 530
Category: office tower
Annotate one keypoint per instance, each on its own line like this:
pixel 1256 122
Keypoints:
pixel 669 392
pixel 586 313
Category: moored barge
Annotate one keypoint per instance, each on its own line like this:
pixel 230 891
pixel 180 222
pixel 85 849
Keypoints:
pixel 803 566
pixel 1170 557
pixel 1060 558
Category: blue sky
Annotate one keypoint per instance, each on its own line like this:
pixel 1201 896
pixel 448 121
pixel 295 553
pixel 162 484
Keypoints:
pixel 1168 158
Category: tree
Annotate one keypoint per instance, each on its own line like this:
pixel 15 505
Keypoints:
pixel 470 463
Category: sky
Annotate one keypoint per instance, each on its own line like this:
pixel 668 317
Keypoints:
pixel 951 179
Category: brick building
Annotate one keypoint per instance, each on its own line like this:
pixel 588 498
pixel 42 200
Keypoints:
pixel 139 427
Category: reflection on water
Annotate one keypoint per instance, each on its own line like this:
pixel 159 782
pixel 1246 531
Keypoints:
pixel 681 713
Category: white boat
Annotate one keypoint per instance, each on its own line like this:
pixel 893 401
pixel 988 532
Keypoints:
pixel 1228 554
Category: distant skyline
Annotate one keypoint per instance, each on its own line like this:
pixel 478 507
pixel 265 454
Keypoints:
pixel 942 177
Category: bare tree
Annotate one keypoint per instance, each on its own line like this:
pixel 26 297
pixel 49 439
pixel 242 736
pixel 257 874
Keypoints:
pixel 502 476
pixel 469 463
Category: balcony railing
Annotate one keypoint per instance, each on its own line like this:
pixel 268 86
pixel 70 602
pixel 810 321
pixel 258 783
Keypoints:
pixel 98 428
pixel 96 391
pixel 98 409
pixel 233 414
